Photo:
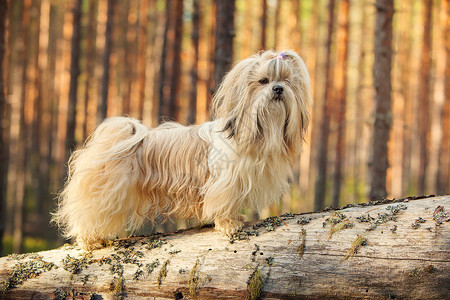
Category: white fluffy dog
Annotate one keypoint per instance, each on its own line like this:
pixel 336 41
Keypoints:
pixel 126 172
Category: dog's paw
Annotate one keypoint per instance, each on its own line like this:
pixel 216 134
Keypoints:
pixel 230 226
pixel 90 244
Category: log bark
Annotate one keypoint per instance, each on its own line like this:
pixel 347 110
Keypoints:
pixel 382 250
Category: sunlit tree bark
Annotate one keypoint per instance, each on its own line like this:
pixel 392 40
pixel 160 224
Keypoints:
pixel 322 158
pixel 382 84
pixel 423 113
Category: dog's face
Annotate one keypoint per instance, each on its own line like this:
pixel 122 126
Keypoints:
pixel 265 100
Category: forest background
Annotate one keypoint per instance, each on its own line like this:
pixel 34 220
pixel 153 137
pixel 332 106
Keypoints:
pixel 68 64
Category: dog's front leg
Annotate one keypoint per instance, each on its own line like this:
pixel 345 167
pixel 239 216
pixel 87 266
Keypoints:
pixel 229 225
pixel 223 206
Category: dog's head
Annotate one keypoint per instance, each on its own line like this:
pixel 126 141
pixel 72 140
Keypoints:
pixel 264 103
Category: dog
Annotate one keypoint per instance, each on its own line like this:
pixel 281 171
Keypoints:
pixel 126 173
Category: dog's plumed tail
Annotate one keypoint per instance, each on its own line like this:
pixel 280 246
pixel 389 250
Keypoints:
pixel 102 191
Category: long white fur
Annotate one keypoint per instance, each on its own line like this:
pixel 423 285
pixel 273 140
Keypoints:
pixel 126 172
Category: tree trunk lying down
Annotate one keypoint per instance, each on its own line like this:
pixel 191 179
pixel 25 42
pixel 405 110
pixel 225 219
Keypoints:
pixel 397 249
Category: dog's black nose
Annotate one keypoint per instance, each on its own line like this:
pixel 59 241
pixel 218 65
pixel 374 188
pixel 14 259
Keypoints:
pixel 278 89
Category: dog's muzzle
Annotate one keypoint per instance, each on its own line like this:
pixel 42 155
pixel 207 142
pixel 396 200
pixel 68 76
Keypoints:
pixel 277 92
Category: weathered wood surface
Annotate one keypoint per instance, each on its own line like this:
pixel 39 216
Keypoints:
pixel 406 258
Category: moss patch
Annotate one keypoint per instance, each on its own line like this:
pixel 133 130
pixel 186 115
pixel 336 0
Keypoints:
pixel 254 285
pixel 301 248
pixel 357 243
pixel 162 273
pixel 337 221
pixel 418 273
pixel 194 279
pixel 118 286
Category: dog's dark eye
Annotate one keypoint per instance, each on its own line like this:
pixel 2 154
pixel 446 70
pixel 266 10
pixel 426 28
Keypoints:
pixel 264 81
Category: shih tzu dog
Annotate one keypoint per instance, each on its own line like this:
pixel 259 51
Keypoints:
pixel 127 172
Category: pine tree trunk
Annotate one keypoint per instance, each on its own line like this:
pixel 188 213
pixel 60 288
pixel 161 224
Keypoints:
pixel 359 96
pixel 405 56
pixel 171 61
pixel 322 157
pixel 90 62
pixel 44 134
pixel 103 104
pixel 276 26
pixel 23 148
pixel 341 97
pixel 127 59
pixel 223 56
pixel 424 95
pixel 36 97
pixel 192 110
pixel 443 175
pixel 142 43
pixel 4 143
pixel 382 85
pixel 211 57
pixel 74 74
pixel 263 25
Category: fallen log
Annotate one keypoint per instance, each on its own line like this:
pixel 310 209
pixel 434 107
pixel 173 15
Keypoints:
pixel 390 249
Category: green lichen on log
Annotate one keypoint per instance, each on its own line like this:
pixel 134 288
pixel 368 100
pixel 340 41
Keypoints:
pixel 76 265
pixel 23 271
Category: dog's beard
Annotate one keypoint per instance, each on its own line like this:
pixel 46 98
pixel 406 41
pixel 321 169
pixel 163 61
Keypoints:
pixel 261 128
pixel 269 126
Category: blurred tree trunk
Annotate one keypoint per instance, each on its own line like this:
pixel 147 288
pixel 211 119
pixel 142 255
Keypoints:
pixel 312 60
pixel 359 104
pixel 404 57
pixel 382 85
pixel 192 109
pixel 35 97
pixel 171 61
pixel 443 174
pixel 322 158
pixel 102 110
pixel 263 25
pixel 211 56
pixel 276 26
pixel 90 61
pixel 43 195
pixel 127 61
pixel 74 74
pixel 142 43
pixel 23 149
pixel 424 94
pixel 223 56
pixel 296 29
pixel 56 34
pixel 4 128
pixel 341 96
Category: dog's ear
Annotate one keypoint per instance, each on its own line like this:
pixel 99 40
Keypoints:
pixel 304 88
pixel 232 88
